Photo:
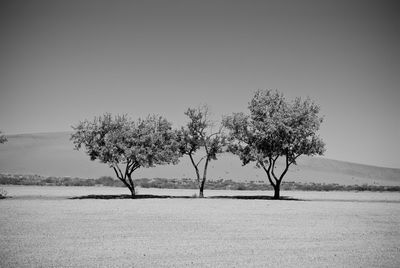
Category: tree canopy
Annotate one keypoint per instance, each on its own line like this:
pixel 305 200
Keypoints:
pixel 275 128
pixel 3 138
pixel 126 145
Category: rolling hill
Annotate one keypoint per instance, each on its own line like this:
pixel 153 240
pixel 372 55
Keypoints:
pixel 52 154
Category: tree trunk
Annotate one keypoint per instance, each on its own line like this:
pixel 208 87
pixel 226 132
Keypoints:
pixel 132 189
pixel 197 175
pixel 277 188
pixel 203 181
pixel 271 176
pixel 201 188
pixel 127 182
pixel 131 185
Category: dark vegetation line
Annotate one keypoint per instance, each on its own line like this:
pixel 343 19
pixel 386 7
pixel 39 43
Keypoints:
pixel 186 183
pixel 149 196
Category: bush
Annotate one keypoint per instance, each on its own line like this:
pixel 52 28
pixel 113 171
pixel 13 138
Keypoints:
pixel 3 193
pixel 108 181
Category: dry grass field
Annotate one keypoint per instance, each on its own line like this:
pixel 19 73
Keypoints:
pixel 41 227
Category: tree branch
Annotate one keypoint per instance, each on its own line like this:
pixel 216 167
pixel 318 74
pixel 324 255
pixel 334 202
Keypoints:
pixel 195 167
pixel 118 171
pixel 126 169
pixel 267 171
pixel 130 181
pixel 131 163
pixel 205 169
pixel 206 148
pixel 285 170
pixel 214 134
pixel 201 160
pixel 294 159
pixel 273 167
pixel 133 168
pixel 120 177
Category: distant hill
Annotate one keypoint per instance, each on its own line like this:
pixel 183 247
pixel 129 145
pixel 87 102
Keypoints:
pixel 52 154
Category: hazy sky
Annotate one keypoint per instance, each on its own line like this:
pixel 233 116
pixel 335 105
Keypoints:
pixel 64 61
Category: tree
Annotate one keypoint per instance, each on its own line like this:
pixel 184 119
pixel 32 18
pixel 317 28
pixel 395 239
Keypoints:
pixel 199 134
pixel 3 138
pixel 127 145
pixel 275 128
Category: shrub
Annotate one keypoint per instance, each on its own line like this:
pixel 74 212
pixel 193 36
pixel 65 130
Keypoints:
pixel 3 193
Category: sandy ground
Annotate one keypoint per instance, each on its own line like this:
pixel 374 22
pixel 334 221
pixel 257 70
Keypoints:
pixel 40 228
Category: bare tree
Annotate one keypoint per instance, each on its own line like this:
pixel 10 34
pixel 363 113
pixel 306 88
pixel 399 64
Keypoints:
pixel 199 134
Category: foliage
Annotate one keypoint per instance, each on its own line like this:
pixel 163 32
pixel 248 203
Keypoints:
pixel 3 193
pixel 126 145
pixel 3 138
pixel 275 128
pixel 199 134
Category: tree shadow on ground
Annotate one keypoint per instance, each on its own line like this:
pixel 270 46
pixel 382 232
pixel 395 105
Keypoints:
pixel 254 197
pixel 149 196
pixel 126 196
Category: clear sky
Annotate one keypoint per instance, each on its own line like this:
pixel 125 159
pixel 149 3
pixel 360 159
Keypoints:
pixel 64 61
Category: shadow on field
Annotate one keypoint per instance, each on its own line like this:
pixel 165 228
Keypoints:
pixel 149 196
pixel 255 197
pixel 126 196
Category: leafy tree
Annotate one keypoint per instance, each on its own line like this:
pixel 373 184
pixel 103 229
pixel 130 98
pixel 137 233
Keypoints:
pixel 127 145
pixel 3 193
pixel 275 128
pixel 3 138
pixel 199 134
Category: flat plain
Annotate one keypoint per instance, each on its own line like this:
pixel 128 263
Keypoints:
pixel 42 227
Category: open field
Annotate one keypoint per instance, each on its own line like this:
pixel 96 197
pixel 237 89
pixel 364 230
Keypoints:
pixel 40 227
